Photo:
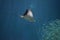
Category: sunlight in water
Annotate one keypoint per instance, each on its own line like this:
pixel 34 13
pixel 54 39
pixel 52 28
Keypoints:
pixel 32 6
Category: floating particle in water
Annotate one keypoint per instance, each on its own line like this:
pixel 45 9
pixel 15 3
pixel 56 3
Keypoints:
pixel 52 31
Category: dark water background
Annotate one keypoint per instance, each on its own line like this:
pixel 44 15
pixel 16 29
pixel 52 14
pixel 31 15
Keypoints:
pixel 12 27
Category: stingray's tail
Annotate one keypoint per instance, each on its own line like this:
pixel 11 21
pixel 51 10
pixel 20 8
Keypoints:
pixel 21 16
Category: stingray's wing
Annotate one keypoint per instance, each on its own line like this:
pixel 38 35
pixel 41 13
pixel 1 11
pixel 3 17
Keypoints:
pixel 30 13
pixel 25 13
pixel 32 20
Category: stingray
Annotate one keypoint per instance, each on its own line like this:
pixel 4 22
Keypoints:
pixel 28 15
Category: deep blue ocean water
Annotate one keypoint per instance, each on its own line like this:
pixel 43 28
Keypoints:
pixel 12 27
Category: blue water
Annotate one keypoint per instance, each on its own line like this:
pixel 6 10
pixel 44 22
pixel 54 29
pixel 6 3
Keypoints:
pixel 12 27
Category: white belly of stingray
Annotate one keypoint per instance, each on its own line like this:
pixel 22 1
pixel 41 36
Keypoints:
pixel 31 19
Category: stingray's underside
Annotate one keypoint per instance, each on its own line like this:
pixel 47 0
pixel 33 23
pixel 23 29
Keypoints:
pixel 31 19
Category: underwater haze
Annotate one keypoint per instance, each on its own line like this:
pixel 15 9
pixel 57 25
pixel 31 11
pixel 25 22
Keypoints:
pixel 12 27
